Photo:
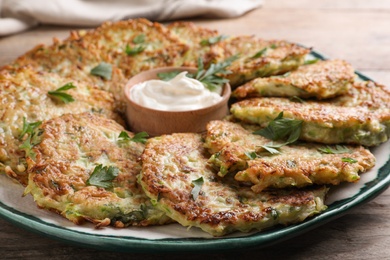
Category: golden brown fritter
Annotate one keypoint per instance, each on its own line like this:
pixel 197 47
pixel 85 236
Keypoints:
pixel 24 97
pixel 323 122
pixel 82 170
pixel 175 175
pixel 260 58
pixel 126 47
pixel 239 151
pixel 323 79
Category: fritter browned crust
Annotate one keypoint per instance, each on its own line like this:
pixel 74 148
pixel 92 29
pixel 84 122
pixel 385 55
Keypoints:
pixel 323 79
pixel 24 96
pixel 172 163
pixel 367 94
pixel 237 150
pixel 323 122
pixel 260 58
pixel 71 147
pixel 202 42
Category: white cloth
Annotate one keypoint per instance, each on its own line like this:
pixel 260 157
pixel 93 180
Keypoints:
pixel 19 15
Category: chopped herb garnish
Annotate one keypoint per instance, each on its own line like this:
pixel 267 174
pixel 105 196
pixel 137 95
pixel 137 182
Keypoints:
pixel 60 93
pixel 251 155
pixel 32 137
pixel 213 40
pixel 212 77
pixel 280 128
pixel 307 62
pixel 197 185
pixel 102 176
pixel 28 128
pixel 103 70
pixel 139 39
pixel 140 137
pixel 272 148
pixel 348 160
pixel 168 75
pixel 334 150
pixel 259 53
pixel 273 46
pixel 134 51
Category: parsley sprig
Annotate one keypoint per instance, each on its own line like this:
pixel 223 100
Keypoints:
pixel 102 176
pixel 103 70
pixel 260 53
pixel 213 40
pixel 349 160
pixel 279 129
pixel 139 40
pixel 60 93
pixel 32 138
pixel 212 77
pixel 140 137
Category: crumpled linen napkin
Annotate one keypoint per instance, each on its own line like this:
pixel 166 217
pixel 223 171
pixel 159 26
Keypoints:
pixel 20 15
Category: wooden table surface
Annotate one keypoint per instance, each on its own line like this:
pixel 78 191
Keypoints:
pixel 355 30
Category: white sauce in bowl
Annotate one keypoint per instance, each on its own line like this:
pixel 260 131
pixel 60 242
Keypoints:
pixel 178 94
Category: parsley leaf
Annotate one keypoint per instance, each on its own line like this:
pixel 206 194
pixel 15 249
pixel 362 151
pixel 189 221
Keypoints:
pixel 61 95
pixel 32 137
pixel 280 128
pixel 307 62
pixel 251 155
pixel 102 176
pixel 137 138
pixel 168 75
pixel 273 148
pixel 348 160
pixel 259 53
pixel 103 70
pixel 197 186
pixel 212 77
pixel 134 51
pixel 213 40
pixel 336 150
pixel 28 128
pixel 138 48
pixel 139 39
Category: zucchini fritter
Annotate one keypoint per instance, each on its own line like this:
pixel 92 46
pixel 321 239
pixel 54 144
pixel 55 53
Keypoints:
pixel 128 47
pixel 323 79
pixel 260 58
pixel 71 148
pixel 24 97
pixel 323 122
pixel 236 149
pixel 176 177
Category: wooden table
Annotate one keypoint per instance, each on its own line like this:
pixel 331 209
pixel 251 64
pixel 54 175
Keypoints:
pixel 355 30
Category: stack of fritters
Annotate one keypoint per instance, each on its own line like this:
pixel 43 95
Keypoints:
pixel 75 157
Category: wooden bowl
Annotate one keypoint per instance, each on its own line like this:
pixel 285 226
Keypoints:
pixel 157 122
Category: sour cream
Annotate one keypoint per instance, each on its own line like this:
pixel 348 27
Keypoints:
pixel 178 94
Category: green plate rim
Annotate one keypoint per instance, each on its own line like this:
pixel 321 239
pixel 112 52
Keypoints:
pixel 258 240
